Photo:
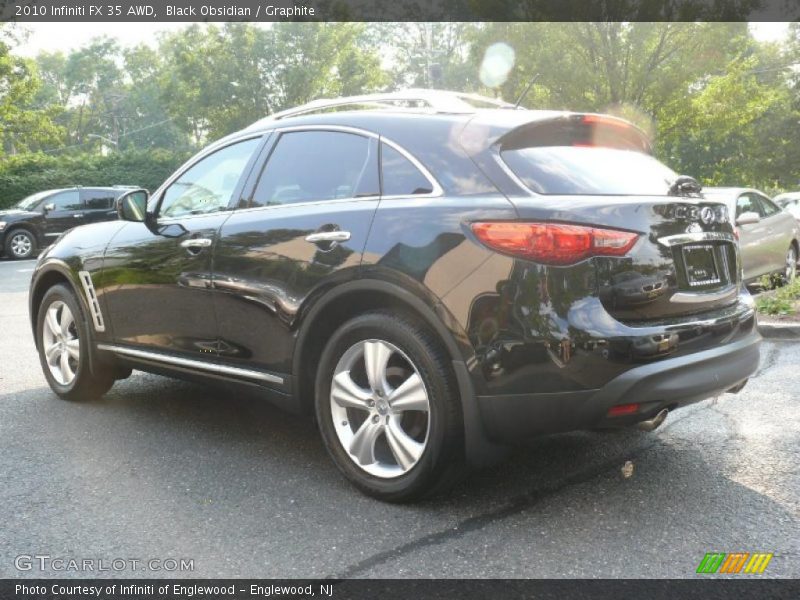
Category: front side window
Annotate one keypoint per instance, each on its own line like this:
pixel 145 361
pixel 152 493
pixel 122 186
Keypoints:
pixel 307 166
pixel 746 203
pixel 65 201
pixel 208 185
pixel 31 201
pixel 400 176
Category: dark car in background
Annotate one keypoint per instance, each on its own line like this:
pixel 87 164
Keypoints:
pixel 431 280
pixel 36 221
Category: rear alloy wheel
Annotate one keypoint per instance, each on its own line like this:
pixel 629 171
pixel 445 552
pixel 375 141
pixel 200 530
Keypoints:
pixel 380 408
pixel 20 244
pixel 791 265
pixel 64 346
pixel 386 407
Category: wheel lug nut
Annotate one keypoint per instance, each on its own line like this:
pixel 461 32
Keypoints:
pixel 375 418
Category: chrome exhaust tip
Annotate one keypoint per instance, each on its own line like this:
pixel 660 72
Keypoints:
pixel 655 422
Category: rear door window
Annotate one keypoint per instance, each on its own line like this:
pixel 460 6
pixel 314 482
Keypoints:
pixel 311 166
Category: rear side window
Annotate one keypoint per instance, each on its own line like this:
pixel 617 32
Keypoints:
pixel 588 170
pixel 585 154
pixel 400 176
pixel 307 166
pixel 98 199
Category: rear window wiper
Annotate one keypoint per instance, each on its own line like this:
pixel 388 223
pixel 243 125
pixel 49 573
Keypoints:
pixel 684 186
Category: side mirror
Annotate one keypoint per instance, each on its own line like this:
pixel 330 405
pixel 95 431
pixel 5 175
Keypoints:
pixel 748 218
pixel 132 206
pixel 48 207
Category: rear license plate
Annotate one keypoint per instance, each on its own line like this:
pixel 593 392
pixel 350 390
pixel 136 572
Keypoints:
pixel 701 265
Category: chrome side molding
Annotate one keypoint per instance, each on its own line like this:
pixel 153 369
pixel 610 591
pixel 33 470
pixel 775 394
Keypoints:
pixel 191 364
pixel 91 299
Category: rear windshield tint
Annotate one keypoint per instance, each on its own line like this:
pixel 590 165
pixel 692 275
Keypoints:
pixel 575 170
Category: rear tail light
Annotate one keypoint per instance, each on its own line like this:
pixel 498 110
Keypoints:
pixel 553 243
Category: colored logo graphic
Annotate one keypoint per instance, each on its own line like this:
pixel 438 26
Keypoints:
pixel 736 562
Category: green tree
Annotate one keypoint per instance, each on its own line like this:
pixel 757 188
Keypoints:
pixel 219 79
pixel 22 125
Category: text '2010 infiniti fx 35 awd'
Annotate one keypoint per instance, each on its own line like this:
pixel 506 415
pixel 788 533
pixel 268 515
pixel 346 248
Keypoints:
pixel 431 280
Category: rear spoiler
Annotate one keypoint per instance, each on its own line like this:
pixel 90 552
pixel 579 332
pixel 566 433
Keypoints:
pixel 524 129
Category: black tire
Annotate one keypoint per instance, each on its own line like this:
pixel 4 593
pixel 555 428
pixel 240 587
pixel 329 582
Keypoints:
pixel 85 385
pixel 441 463
pixel 20 251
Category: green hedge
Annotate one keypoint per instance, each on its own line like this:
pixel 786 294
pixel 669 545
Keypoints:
pixel 26 174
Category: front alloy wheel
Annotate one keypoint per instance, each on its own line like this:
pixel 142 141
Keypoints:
pixel 20 244
pixel 65 343
pixel 380 408
pixel 60 343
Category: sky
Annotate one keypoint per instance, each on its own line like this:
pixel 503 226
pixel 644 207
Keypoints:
pixel 51 36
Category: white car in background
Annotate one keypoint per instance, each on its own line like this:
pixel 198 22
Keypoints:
pixel 769 238
pixel 790 202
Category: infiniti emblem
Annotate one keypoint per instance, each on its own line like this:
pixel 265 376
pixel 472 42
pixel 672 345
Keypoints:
pixel 707 215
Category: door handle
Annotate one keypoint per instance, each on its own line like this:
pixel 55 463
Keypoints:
pixel 328 236
pixel 77 215
pixel 194 245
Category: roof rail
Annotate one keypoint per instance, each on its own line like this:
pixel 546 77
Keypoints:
pixel 435 100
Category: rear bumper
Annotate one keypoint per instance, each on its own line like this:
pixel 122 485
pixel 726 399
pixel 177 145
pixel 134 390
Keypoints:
pixel 668 383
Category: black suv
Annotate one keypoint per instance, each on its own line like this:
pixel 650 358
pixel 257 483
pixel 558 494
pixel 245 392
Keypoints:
pixel 431 280
pixel 37 220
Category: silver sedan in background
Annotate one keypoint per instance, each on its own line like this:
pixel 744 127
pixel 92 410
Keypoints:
pixel 769 238
pixel 790 202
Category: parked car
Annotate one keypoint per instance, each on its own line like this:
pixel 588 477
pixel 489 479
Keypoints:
pixel 790 202
pixel 769 238
pixel 37 220
pixel 423 277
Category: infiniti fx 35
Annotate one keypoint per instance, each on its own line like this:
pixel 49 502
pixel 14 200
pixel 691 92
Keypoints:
pixel 430 283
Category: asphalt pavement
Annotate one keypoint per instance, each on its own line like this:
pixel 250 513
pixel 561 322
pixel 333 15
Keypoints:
pixel 165 470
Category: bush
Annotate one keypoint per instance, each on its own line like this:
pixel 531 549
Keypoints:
pixel 781 301
pixel 26 174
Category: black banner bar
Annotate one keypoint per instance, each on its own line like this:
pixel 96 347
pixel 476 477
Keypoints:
pixel 155 11
pixel 252 589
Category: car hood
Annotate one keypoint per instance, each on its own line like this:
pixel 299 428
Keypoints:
pixel 15 214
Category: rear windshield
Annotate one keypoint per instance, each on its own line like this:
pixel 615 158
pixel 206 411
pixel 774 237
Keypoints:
pixel 575 170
